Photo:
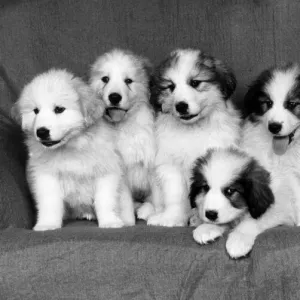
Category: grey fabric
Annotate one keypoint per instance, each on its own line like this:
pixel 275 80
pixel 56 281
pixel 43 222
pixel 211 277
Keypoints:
pixel 81 261
pixel 247 35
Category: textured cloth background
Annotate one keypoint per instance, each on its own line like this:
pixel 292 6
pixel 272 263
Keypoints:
pixel 81 261
pixel 140 263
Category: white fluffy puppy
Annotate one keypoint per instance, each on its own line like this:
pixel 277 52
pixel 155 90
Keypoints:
pixel 192 92
pixel 121 80
pixel 72 161
pixel 228 187
pixel 272 136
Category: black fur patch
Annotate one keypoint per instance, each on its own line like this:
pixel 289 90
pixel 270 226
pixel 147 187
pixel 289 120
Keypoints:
pixel 257 192
pixel 198 179
pixel 253 104
pixel 237 199
pixel 156 87
pixel 221 75
pixel 292 103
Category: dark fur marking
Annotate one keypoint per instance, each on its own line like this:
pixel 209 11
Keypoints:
pixel 252 104
pixel 157 79
pixel 294 97
pixel 257 192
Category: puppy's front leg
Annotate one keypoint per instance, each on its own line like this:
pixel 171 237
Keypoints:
pixel 175 195
pixel 107 199
pixel 49 200
pixel 127 205
pixel 241 240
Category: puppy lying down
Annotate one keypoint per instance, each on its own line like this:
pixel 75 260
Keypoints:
pixel 73 169
pixel 231 191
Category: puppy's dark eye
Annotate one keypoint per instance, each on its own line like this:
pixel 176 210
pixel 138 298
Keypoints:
pixel 195 83
pixel 292 104
pixel 171 87
pixel 204 188
pixel 105 79
pixel 36 111
pixel 128 81
pixel 228 192
pixel 265 102
pixel 59 109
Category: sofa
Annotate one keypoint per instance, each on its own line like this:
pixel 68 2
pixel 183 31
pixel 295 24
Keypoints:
pixel 82 261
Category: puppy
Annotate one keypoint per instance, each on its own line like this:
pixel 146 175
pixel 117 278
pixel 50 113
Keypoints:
pixel 72 161
pixel 121 81
pixel 228 187
pixel 191 92
pixel 271 135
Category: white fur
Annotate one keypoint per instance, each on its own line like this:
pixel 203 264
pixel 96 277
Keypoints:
pixel 81 173
pixel 284 169
pixel 135 132
pixel 180 142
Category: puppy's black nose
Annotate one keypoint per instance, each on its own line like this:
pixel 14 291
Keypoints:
pixel 182 107
pixel 115 98
pixel 211 215
pixel 275 127
pixel 43 133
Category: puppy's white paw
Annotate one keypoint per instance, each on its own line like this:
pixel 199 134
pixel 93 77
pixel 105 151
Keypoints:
pixel 207 233
pixel 239 244
pixel 112 222
pixel 44 227
pixel 145 211
pixel 167 220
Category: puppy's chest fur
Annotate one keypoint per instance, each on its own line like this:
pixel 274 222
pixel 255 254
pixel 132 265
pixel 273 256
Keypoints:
pixel 135 137
pixel 76 165
pixel 181 144
pixel 258 142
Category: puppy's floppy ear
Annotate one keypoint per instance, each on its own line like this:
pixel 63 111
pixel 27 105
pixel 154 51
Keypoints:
pixel 197 180
pixel 258 193
pixel 155 92
pixel 226 78
pixel 251 103
pixel 157 78
pixel 92 108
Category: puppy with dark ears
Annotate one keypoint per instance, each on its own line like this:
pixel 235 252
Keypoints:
pixel 229 190
pixel 191 92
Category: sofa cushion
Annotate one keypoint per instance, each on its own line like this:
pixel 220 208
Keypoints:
pixel 82 261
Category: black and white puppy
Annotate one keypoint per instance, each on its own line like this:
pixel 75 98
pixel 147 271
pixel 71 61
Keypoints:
pixel 191 92
pixel 229 188
pixel 271 134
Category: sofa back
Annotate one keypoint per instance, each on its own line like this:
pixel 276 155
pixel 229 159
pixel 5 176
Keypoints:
pixel 248 35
